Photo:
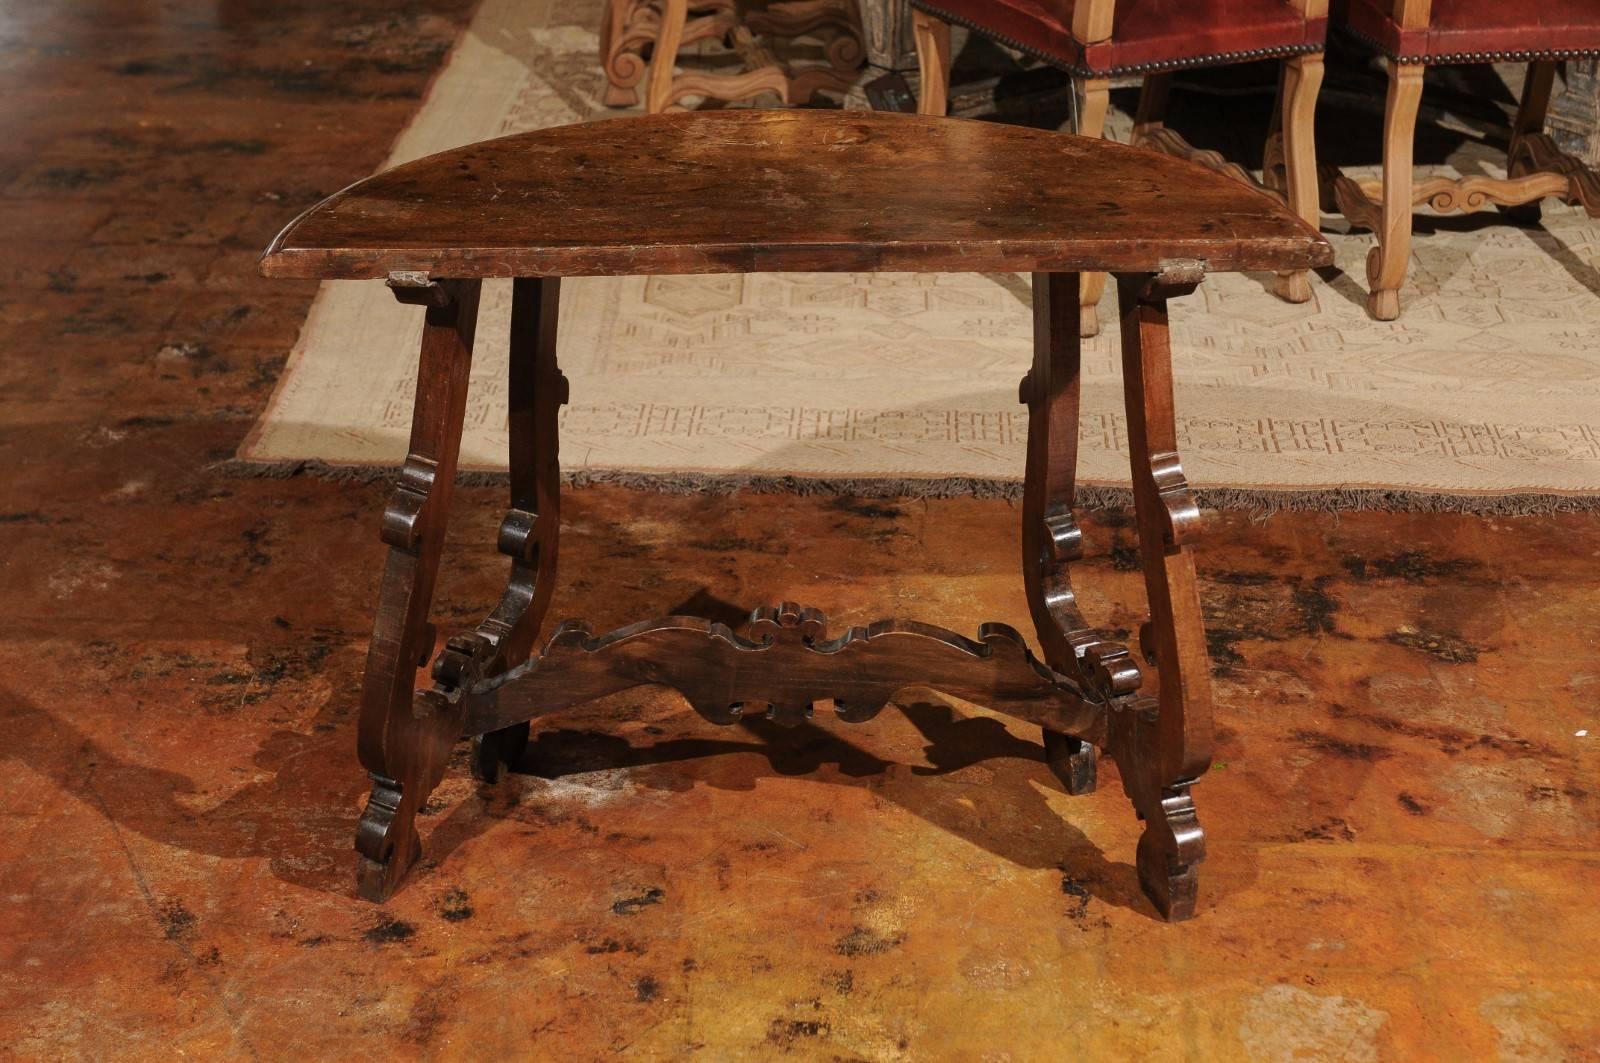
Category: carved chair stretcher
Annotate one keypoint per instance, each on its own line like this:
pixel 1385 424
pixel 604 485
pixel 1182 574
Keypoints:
pixel 812 191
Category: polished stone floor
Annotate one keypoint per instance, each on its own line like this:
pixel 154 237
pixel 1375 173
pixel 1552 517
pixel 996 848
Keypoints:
pixel 1402 818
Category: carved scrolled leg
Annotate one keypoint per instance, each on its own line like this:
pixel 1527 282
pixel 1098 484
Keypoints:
pixel 1162 745
pixel 1050 538
pixel 531 531
pixel 1094 99
pixel 405 734
pixel 1386 263
pixel 933 62
pixel 1297 102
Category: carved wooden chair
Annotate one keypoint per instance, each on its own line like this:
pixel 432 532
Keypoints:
pixel 1413 34
pixel 1097 40
pixel 661 28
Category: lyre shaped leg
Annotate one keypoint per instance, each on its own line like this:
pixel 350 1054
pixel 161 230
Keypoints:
pixel 1050 537
pixel 531 531
pixel 405 735
pixel 1162 748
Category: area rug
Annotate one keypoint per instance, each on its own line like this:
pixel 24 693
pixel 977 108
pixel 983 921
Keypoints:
pixel 1485 395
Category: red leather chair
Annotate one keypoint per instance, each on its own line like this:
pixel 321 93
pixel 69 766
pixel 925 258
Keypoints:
pixel 1414 34
pixel 1096 40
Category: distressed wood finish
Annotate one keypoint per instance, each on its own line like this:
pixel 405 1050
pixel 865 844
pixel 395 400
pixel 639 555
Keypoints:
pixel 1162 748
pixel 976 197
pixel 795 190
pixel 785 666
pixel 1051 539
pixel 530 532
pixel 405 734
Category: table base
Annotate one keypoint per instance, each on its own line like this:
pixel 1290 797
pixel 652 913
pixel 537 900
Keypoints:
pixel 1085 693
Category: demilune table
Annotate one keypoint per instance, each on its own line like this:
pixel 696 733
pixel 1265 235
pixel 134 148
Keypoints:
pixel 819 191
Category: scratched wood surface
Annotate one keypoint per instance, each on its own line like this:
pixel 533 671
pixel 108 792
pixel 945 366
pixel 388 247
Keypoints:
pixel 745 191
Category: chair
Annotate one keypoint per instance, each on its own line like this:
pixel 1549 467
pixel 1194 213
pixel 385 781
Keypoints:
pixel 1414 34
pixel 662 27
pixel 1097 40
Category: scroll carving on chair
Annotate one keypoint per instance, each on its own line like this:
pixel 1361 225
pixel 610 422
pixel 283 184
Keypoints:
pixel 1415 34
pixel 646 37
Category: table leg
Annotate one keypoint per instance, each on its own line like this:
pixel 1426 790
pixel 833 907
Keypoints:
pixel 1050 537
pixel 1162 747
pixel 405 734
pixel 531 531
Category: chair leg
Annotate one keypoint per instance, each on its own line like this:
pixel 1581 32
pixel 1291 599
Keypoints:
pixel 1531 110
pixel 1297 99
pixel 1386 263
pixel 933 61
pixel 1152 112
pixel 1094 98
pixel 664 60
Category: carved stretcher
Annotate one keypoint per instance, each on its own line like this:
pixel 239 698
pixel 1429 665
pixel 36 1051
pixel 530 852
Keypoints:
pixel 807 191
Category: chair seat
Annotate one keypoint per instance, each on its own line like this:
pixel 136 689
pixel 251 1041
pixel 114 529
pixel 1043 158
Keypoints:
pixel 1480 30
pixel 1146 36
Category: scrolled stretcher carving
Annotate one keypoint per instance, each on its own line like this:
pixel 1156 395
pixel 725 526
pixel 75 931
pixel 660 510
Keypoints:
pixel 783 666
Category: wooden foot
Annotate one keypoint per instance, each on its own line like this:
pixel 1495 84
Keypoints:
pixel 1386 263
pixel 1163 744
pixel 1072 760
pixel 1169 855
pixel 1383 304
pixel 405 735
pixel 496 753
pixel 1292 287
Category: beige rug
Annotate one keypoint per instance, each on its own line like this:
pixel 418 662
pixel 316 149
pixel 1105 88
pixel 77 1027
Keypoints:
pixel 1489 387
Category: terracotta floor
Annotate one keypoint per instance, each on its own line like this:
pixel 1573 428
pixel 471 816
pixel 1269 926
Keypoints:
pixel 1402 821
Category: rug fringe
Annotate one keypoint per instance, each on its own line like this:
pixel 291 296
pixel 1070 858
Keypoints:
pixel 1259 502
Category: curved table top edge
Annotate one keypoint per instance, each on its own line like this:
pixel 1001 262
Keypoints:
pixel 1118 254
